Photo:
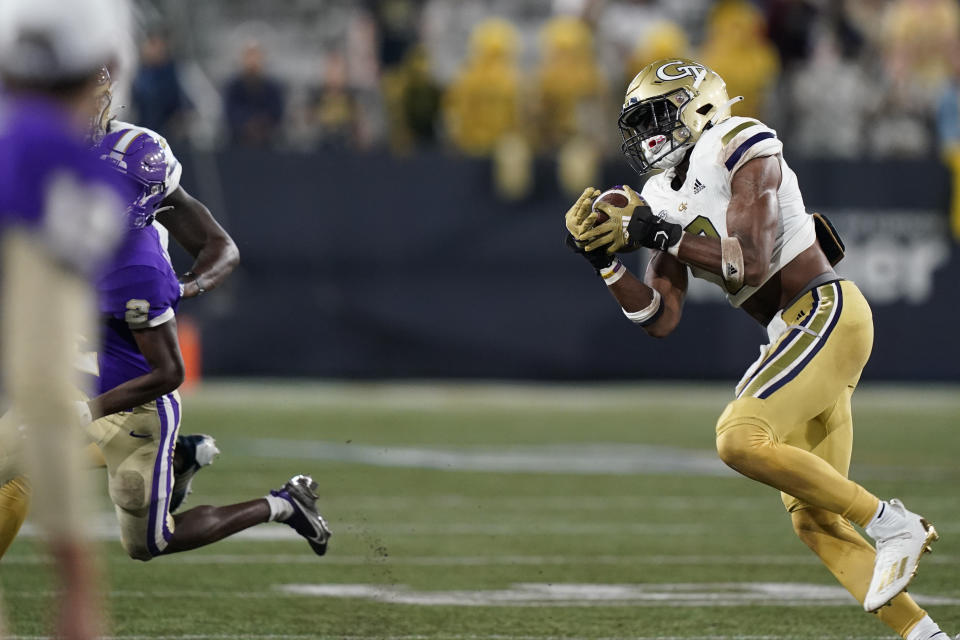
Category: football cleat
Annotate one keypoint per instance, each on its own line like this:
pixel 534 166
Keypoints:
pixel 900 543
pixel 300 492
pixel 198 451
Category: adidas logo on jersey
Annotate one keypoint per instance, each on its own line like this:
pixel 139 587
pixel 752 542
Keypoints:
pixel 731 270
pixel 698 186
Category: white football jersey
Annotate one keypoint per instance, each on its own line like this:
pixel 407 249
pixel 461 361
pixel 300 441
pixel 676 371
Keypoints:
pixel 174 169
pixel 700 206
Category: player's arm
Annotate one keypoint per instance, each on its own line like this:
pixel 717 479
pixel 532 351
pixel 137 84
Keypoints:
pixel 655 304
pixel 751 224
pixel 751 218
pixel 194 227
pixel 161 350
pixel 668 277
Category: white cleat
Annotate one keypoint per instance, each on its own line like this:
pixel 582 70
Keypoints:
pixel 901 540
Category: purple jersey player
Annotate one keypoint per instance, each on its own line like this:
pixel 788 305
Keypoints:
pixel 139 290
pixel 51 188
pixel 138 410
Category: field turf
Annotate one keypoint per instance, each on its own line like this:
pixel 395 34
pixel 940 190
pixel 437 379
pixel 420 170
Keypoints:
pixel 510 512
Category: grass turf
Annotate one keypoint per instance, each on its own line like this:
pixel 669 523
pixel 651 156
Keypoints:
pixel 411 517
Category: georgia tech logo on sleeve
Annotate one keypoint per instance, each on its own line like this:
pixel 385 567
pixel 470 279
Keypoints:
pixel 681 70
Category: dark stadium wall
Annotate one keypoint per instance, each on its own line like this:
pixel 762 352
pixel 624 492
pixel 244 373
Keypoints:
pixel 369 266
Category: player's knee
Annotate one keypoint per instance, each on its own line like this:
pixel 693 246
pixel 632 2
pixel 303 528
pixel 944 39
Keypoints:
pixel 128 491
pixel 742 433
pixel 740 445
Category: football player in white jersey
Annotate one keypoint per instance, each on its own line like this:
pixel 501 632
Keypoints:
pixel 723 204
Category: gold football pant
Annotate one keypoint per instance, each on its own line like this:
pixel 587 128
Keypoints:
pixel 791 427
pixel 138 448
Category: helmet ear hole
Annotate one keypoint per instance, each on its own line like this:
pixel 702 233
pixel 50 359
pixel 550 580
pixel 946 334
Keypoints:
pixel 705 109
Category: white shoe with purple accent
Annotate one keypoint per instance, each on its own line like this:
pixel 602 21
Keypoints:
pixel 300 492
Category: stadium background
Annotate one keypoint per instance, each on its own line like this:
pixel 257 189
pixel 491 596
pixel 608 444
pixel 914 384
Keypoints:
pixel 394 173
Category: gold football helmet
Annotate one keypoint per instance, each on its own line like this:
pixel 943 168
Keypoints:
pixel 669 104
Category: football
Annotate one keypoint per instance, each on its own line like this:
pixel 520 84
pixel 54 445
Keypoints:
pixel 615 196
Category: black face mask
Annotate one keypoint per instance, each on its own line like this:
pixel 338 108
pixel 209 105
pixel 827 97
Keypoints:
pixel 646 120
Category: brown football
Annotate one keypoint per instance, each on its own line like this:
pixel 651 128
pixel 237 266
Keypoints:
pixel 615 196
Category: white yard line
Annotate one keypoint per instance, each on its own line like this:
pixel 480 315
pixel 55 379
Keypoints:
pixel 582 458
pixel 522 595
pixel 721 594
pixel 568 459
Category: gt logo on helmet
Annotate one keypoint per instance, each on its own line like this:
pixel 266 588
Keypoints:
pixel 695 71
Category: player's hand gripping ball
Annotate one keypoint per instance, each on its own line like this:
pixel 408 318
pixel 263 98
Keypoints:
pixel 607 224
pixel 577 217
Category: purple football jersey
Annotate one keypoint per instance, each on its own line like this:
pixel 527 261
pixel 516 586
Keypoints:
pixel 52 186
pixel 139 290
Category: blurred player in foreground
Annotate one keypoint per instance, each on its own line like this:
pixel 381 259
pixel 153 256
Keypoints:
pixel 725 205
pixel 60 219
pixel 216 256
pixel 136 416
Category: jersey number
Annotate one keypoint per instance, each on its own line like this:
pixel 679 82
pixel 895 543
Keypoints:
pixel 137 312
pixel 702 226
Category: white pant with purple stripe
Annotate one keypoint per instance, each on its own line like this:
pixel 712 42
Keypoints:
pixel 138 448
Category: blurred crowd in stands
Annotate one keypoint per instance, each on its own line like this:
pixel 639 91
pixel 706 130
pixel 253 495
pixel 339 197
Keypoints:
pixel 515 79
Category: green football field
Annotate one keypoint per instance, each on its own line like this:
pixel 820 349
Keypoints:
pixel 511 512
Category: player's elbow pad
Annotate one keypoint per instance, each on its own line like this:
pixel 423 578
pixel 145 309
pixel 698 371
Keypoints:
pixel 647 316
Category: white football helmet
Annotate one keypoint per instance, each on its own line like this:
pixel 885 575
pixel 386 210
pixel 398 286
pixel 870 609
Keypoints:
pixel 50 41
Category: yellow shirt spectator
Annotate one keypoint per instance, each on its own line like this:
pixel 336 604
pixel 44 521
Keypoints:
pixel 919 38
pixel 737 48
pixel 568 80
pixel 483 102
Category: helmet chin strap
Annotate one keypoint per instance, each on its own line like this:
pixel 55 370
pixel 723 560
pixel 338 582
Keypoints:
pixel 727 104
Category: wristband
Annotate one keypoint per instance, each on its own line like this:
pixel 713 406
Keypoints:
pixel 731 257
pixel 195 280
pixel 675 249
pixel 613 273
pixel 649 315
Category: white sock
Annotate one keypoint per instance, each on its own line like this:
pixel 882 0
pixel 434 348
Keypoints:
pixel 927 629
pixel 280 509
pixel 885 518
